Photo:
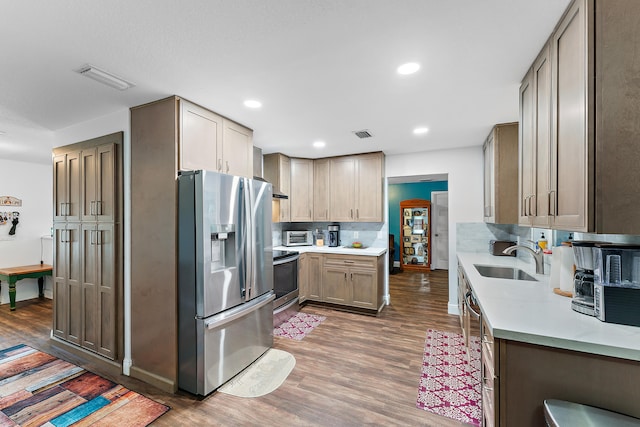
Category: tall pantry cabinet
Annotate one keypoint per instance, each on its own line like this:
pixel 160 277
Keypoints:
pixel 87 250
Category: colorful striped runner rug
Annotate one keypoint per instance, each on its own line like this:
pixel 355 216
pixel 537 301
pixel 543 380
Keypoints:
pixel 37 389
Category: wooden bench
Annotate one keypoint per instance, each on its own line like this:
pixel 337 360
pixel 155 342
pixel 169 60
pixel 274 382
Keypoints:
pixel 13 274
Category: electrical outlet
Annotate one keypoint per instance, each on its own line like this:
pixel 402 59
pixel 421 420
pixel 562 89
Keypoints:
pixel 355 234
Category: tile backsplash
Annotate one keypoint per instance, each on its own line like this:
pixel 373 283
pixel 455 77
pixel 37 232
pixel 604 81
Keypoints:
pixel 370 234
pixel 475 236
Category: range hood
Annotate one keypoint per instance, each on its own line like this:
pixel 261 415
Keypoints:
pixel 276 193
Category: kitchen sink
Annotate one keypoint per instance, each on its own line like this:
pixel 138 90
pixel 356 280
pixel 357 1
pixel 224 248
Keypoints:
pixel 499 272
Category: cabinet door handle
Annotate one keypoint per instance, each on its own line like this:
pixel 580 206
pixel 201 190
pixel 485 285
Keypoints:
pixel 92 210
pixel 552 198
pixel 351 276
pixel 351 213
pixel 467 298
pixel 98 207
pixel 227 162
pixel 62 204
pixel 219 165
pixel 357 213
pixel 345 275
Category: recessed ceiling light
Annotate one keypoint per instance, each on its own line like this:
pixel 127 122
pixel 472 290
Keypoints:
pixel 420 131
pixel 252 103
pixel 408 68
pixel 319 144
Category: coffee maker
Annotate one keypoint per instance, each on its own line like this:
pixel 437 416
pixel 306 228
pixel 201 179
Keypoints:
pixel 334 235
pixel 583 257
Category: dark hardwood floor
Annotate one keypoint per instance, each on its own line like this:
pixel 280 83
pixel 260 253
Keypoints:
pixel 352 370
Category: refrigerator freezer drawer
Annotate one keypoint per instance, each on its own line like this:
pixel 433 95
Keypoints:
pixel 226 344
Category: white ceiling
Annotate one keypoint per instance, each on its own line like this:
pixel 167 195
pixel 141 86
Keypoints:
pixel 322 69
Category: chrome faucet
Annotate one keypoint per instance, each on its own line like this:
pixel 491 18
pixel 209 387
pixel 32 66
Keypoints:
pixel 537 255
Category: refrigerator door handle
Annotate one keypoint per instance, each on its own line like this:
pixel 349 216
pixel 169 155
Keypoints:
pixel 248 243
pixel 222 319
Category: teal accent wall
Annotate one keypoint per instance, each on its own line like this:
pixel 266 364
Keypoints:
pixel 400 192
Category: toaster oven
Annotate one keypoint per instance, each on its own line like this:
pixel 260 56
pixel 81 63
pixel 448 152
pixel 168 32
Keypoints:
pixel 297 238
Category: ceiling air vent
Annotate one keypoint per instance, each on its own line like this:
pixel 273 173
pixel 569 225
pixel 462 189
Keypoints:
pixel 363 133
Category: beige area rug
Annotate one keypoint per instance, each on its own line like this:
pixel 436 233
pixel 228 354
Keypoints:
pixel 263 376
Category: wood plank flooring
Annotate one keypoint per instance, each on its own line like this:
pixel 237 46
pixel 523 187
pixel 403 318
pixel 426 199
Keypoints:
pixel 352 370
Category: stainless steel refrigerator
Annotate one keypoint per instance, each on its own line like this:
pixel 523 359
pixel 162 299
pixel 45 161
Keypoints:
pixel 225 277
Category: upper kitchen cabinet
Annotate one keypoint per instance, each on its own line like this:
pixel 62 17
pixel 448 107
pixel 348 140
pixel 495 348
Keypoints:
pixel 356 188
pixel 501 174
pixel 302 190
pixel 277 170
pixel 535 144
pixel 595 97
pixel 321 190
pixel 211 142
pixel 237 149
pixel 66 186
pixel 200 139
pixel 572 89
pixel 98 183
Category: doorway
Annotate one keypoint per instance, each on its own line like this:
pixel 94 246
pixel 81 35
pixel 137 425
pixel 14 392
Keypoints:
pixel 419 187
pixel 440 230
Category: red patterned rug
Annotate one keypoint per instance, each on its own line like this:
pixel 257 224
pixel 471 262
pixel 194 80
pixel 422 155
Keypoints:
pixel 449 384
pixel 298 326
pixel 37 388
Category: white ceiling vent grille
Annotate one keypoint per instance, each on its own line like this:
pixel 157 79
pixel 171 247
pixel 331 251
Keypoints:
pixel 363 133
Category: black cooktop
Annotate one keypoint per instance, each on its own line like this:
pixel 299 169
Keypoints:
pixel 283 254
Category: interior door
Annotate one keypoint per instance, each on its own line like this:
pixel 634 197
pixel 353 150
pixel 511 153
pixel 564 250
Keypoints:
pixel 440 230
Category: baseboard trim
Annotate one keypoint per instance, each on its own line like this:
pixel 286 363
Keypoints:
pixel 453 309
pixel 164 384
pixel 110 367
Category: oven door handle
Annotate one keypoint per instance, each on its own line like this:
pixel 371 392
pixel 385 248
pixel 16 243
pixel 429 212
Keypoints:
pixel 467 297
pixel 286 259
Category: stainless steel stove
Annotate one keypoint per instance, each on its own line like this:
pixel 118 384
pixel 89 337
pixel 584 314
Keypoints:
pixel 285 284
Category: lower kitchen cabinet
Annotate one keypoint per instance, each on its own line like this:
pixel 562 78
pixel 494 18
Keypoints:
pixel 84 291
pixel 488 377
pixel 517 377
pixel 309 277
pixel 66 281
pixel 346 280
pixel 314 263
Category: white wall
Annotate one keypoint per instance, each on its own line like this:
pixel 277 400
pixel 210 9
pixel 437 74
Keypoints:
pixel 464 169
pixel 33 184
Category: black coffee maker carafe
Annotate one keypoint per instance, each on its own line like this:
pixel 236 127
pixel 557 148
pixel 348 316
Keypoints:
pixel 334 235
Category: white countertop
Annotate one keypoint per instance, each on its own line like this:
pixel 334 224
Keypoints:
pixel 530 312
pixel 341 250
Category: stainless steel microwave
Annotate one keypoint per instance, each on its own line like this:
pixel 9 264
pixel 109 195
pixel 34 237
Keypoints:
pixel 297 238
